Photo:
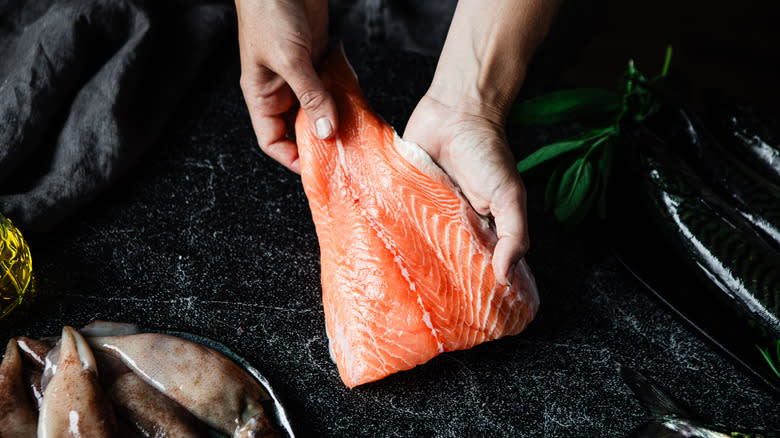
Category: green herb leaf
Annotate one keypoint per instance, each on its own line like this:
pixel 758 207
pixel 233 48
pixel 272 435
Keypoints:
pixel 667 61
pixel 769 360
pixel 552 185
pixel 582 210
pixel 565 106
pixel 575 184
pixel 550 151
pixel 605 169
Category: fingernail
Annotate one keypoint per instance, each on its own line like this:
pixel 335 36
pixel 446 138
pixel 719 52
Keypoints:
pixel 324 128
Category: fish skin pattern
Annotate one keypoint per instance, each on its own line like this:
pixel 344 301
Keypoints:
pixel 405 260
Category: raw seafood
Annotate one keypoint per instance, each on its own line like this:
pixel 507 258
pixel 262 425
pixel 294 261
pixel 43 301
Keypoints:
pixel 209 385
pixel 35 352
pixel 668 418
pixel 17 414
pixel 145 408
pixel 707 236
pixel 754 197
pixel 32 380
pixel 99 327
pixel 406 262
pixel 745 132
pixel 73 402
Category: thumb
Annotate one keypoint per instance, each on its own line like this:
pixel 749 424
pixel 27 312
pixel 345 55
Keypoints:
pixel 315 100
pixel 509 212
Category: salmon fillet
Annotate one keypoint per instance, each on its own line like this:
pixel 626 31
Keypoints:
pixel 406 261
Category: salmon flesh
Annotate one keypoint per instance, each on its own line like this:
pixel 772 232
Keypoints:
pixel 405 259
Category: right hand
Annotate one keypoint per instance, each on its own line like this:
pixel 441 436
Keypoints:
pixel 279 42
pixel 466 138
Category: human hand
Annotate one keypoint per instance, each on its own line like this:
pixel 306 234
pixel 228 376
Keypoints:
pixel 460 120
pixel 471 147
pixel 280 41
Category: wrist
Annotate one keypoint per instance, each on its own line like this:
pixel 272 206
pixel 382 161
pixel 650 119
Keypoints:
pixel 487 52
pixel 480 90
pixel 483 61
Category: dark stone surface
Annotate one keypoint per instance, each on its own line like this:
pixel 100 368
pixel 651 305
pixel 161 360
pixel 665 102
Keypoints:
pixel 209 236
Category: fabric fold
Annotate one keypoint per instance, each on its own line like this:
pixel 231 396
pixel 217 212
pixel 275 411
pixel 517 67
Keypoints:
pixel 85 88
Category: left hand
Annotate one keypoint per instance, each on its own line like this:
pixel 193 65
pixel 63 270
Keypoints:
pixel 280 41
pixel 472 148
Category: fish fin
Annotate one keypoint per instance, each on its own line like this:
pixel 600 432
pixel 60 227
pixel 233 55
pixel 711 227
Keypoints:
pixel 12 360
pixel 50 365
pixel 652 397
pixel 74 346
pixel 33 350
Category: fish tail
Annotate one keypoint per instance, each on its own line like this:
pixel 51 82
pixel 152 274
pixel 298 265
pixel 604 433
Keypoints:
pixel 652 397
pixel 671 419
pixel 668 417
pixel 657 430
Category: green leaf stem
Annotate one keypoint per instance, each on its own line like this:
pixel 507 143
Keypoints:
pixel 584 164
pixel 774 364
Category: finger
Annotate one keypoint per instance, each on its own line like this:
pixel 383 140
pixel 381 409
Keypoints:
pixel 272 138
pixel 268 99
pixel 274 104
pixel 509 212
pixel 315 100
pixel 265 92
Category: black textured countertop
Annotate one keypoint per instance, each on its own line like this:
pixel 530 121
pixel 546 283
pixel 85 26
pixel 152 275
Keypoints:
pixel 209 236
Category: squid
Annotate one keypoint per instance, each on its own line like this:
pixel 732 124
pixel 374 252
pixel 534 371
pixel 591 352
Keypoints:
pixel 35 352
pixel 18 417
pixel 73 403
pixel 145 408
pixel 99 327
pixel 207 384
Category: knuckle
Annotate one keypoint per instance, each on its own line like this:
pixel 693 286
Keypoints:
pixel 263 146
pixel 267 146
pixel 245 83
pixel 259 105
pixel 253 88
pixel 311 99
pixel 262 96
pixel 291 60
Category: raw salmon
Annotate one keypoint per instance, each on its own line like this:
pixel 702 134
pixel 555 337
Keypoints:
pixel 406 261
